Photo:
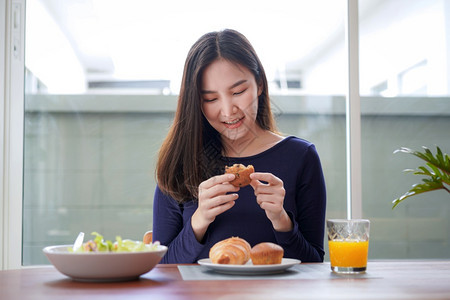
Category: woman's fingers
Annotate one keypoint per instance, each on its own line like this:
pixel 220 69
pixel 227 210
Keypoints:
pixel 269 206
pixel 216 195
pixel 217 185
pixel 266 177
pixel 215 180
pixel 262 189
pixel 221 206
pixel 220 200
pixel 267 183
pixel 269 192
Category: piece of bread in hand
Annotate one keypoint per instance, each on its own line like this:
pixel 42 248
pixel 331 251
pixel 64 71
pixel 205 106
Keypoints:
pixel 242 174
pixel 231 251
pixel 266 254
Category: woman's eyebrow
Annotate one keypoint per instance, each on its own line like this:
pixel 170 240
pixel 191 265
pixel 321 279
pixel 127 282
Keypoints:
pixel 237 83
pixel 206 92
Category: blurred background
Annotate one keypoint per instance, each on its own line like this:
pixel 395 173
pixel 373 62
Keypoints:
pixel 101 85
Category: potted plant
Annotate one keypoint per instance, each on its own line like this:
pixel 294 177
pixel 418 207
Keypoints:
pixel 436 172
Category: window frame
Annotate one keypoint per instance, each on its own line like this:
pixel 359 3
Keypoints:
pixel 353 114
pixel 12 116
pixel 12 69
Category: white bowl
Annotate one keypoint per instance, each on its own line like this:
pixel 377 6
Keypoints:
pixel 103 266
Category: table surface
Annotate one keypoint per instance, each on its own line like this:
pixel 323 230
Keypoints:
pixel 391 279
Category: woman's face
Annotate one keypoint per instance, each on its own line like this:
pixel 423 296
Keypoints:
pixel 230 99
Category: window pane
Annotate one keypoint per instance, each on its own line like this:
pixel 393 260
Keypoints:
pixel 405 86
pixel 101 89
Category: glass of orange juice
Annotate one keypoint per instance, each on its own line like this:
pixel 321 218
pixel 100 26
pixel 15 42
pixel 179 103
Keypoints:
pixel 348 243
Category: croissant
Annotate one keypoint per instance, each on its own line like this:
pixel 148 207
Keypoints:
pixel 231 251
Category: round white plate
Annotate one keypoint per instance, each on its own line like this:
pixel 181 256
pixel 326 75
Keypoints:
pixel 249 268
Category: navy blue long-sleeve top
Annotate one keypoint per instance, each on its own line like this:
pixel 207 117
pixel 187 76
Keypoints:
pixel 293 160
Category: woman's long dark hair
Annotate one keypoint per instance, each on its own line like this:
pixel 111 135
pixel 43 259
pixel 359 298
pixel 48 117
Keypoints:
pixel 191 152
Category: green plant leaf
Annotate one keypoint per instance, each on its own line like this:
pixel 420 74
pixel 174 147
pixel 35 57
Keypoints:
pixel 436 170
pixel 441 160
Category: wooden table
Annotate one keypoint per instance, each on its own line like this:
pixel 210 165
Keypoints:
pixel 385 280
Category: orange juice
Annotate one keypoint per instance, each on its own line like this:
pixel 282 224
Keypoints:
pixel 348 253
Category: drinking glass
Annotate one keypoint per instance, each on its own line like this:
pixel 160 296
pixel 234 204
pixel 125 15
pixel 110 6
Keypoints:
pixel 348 243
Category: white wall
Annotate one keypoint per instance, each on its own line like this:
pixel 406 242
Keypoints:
pixel 394 36
pixel 53 59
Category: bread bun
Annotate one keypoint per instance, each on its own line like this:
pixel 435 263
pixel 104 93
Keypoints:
pixel 242 174
pixel 266 254
pixel 231 251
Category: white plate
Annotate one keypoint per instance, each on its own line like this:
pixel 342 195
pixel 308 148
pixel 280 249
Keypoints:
pixel 103 266
pixel 249 268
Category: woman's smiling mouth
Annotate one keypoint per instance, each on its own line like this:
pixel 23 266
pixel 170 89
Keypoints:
pixel 233 124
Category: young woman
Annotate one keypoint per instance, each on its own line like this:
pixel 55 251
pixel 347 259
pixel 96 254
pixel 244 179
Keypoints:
pixel 223 117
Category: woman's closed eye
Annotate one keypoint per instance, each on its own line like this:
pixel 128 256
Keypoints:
pixel 239 93
pixel 209 100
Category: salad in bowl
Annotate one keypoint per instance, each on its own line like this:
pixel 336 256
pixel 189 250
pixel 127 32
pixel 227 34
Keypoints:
pixel 103 260
pixel 98 244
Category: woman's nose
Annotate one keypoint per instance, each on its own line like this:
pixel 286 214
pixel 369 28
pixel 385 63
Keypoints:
pixel 228 107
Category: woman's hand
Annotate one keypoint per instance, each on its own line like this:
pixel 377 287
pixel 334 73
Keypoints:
pixel 215 196
pixel 270 197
